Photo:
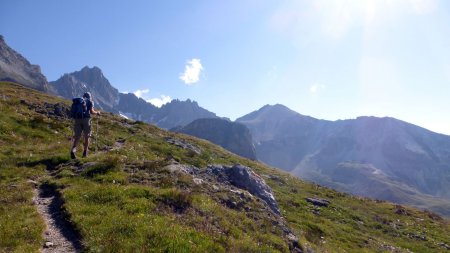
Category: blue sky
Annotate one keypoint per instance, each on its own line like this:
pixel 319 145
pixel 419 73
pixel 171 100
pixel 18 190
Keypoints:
pixel 331 59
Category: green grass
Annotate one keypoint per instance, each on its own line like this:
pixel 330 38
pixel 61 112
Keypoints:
pixel 125 200
pixel 20 224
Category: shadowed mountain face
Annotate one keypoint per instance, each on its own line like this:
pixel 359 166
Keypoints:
pixel 136 108
pixel 106 97
pixel 15 68
pixel 232 136
pixel 180 113
pixel 377 157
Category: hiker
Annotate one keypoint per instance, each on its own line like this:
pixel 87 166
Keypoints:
pixel 81 111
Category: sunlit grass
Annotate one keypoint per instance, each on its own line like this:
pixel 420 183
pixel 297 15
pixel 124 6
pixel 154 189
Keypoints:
pixel 125 200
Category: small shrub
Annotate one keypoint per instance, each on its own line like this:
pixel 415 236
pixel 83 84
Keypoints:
pixel 178 200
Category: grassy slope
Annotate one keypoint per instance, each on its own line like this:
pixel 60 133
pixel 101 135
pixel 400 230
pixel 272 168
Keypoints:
pixel 127 201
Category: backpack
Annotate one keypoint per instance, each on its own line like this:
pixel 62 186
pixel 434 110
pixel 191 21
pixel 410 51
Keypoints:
pixel 78 109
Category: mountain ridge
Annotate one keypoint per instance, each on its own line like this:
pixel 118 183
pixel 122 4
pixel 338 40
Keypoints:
pixel 108 98
pixel 317 150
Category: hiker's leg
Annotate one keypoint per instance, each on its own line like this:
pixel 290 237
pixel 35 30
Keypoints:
pixel 77 129
pixel 76 140
pixel 86 145
pixel 87 135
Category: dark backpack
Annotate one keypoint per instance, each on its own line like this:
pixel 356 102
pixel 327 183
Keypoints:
pixel 79 108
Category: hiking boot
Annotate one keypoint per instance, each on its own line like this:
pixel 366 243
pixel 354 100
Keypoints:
pixel 85 153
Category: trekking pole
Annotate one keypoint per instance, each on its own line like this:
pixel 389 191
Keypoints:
pixel 96 135
pixel 72 137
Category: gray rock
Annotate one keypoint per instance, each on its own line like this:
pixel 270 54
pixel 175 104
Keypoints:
pixel 198 181
pixel 177 167
pixel 318 202
pixel 243 177
pixel 443 245
pixel 48 244
pixel 183 144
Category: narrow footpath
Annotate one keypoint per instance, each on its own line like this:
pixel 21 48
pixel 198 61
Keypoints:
pixel 59 235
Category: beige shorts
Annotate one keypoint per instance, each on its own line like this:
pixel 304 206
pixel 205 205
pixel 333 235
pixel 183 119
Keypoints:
pixel 82 126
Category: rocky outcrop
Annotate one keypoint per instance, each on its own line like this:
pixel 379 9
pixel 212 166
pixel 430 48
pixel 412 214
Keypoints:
pixel 232 136
pixel 238 186
pixel 318 202
pixel 244 178
pixel 184 145
pixel 58 110
pixel 15 68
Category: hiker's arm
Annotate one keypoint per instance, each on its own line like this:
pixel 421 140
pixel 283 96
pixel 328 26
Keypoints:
pixel 94 111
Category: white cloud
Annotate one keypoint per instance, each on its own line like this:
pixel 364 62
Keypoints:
pixel 313 89
pixel 141 93
pixel 158 102
pixel 192 71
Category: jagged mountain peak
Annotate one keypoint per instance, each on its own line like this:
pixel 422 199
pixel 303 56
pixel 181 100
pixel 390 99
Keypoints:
pixel 93 68
pixel 74 84
pixel 91 71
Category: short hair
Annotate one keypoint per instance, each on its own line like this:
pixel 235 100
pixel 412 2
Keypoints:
pixel 87 95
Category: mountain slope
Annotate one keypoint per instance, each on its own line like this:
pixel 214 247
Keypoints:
pixel 14 67
pixel 232 136
pixel 283 137
pixel 381 158
pixel 145 189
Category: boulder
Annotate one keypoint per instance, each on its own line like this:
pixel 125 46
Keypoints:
pixel 318 202
pixel 183 144
pixel 245 178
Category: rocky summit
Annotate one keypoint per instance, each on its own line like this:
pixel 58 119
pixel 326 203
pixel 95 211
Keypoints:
pixel 88 80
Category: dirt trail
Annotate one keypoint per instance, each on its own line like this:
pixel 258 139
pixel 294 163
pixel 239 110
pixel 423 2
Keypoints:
pixel 59 235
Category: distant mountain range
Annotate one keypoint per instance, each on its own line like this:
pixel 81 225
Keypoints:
pixel 106 97
pixel 382 158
